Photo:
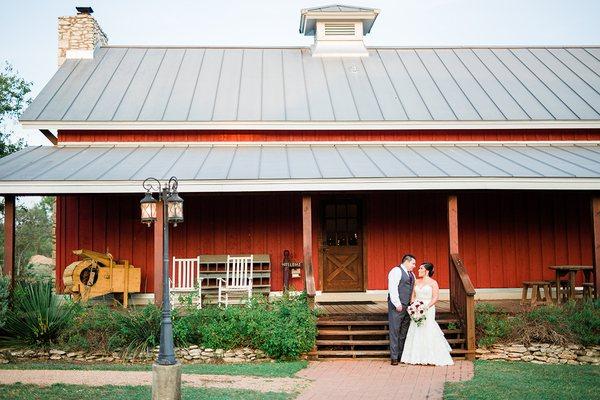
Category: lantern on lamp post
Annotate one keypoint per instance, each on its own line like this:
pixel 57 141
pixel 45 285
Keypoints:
pixel 167 371
pixel 148 208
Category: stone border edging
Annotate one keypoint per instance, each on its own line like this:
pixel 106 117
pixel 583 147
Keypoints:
pixel 188 355
pixel 542 353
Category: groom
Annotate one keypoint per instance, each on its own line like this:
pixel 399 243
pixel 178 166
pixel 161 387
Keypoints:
pixel 400 286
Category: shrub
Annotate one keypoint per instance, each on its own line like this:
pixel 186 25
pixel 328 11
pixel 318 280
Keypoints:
pixel 491 324
pixel 288 330
pixel 38 316
pixel 545 324
pixel 104 329
pixel 4 297
pixel 584 322
pixel 92 328
pixel 137 330
pixel 283 328
pixel 560 325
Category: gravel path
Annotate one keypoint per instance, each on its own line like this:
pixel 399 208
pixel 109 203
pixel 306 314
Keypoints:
pixel 331 380
pixel 140 378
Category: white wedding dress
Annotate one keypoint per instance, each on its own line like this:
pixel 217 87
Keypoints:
pixel 426 344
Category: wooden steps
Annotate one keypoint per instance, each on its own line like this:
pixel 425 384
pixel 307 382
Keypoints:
pixel 367 336
pixel 342 332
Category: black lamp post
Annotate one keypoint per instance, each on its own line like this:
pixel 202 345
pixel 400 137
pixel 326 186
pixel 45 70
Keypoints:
pixel 172 213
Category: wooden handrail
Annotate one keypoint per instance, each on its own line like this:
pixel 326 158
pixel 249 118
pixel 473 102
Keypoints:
pixel 463 274
pixel 462 300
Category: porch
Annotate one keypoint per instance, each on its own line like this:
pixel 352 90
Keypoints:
pixel 348 212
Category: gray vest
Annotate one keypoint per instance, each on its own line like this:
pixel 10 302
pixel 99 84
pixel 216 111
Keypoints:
pixel 405 287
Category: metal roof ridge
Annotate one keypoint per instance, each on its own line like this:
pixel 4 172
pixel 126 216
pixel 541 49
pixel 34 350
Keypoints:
pixel 416 143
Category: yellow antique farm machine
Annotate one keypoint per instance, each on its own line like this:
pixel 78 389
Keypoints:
pixel 97 274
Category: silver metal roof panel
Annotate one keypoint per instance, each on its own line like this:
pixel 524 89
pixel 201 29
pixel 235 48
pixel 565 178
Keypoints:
pixel 317 166
pixel 274 163
pixel 296 100
pixel 137 85
pixel 217 163
pixel 273 93
pixel 203 101
pixel 420 165
pixel 330 162
pixel 159 94
pixel 184 86
pixel 137 89
pixel 246 163
pixel 250 107
pixel 302 163
pixel 188 165
pixel 386 162
pixel 490 86
pixel 107 103
pixel 358 162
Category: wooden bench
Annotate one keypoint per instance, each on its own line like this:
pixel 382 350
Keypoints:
pixel 214 267
pixel 536 296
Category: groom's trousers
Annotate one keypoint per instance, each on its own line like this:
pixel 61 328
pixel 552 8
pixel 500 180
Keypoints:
pixel 399 323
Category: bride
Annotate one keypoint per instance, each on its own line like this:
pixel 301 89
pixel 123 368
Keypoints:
pixel 426 344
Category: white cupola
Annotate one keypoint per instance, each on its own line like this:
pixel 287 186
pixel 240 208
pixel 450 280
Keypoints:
pixel 338 30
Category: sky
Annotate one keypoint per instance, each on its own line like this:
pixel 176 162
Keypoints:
pixel 28 28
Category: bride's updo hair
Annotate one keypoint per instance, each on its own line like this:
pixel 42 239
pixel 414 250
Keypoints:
pixel 429 267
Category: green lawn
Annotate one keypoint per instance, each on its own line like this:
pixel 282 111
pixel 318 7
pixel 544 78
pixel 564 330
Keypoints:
pixel 495 380
pixel 76 392
pixel 267 369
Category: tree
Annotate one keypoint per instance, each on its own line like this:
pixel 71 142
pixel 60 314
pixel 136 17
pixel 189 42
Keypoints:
pixel 33 233
pixel 13 97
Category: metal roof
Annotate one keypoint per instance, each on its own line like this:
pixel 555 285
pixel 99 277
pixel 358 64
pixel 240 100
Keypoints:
pixel 142 87
pixel 338 8
pixel 301 166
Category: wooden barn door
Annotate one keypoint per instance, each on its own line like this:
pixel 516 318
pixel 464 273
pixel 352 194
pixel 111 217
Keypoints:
pixel 342 246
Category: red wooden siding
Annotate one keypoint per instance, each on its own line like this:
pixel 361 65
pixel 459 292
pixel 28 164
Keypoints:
pixel 104 224
pixel 329 135
pixel 505 237
pixel 404 222
pixel 509 237
pixel 262 224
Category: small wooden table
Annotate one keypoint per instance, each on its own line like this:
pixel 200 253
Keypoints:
pixel 571 270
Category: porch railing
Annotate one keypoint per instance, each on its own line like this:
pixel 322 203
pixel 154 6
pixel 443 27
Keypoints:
pixel 462 301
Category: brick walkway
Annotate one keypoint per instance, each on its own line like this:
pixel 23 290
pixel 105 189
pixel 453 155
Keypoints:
pixel 379 380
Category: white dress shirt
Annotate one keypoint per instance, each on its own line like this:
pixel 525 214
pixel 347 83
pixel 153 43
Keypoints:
pixel 394 277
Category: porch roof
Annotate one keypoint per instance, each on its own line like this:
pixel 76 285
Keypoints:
pixel 275 167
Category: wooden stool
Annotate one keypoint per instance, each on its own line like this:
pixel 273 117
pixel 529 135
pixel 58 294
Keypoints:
pixel 588 290
pixel 535 292
pixel 563 291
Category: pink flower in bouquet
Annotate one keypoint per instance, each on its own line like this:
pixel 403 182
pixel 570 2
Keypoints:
pixel 416 310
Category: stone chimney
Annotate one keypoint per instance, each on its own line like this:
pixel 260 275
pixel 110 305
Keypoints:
pixel 79 35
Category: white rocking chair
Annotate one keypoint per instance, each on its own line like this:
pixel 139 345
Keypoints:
pixel 238 278
pixel 184 278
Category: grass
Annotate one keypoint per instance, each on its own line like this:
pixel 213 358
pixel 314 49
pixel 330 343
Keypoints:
pixel 76 392
pixel 267 369
pixel 496 380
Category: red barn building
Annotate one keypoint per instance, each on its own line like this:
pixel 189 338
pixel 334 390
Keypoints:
pixel 345 155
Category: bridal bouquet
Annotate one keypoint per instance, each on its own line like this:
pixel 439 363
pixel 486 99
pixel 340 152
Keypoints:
pixel 416 310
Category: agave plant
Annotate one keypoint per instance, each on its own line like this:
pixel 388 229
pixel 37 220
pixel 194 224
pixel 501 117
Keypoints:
pixel 37 316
